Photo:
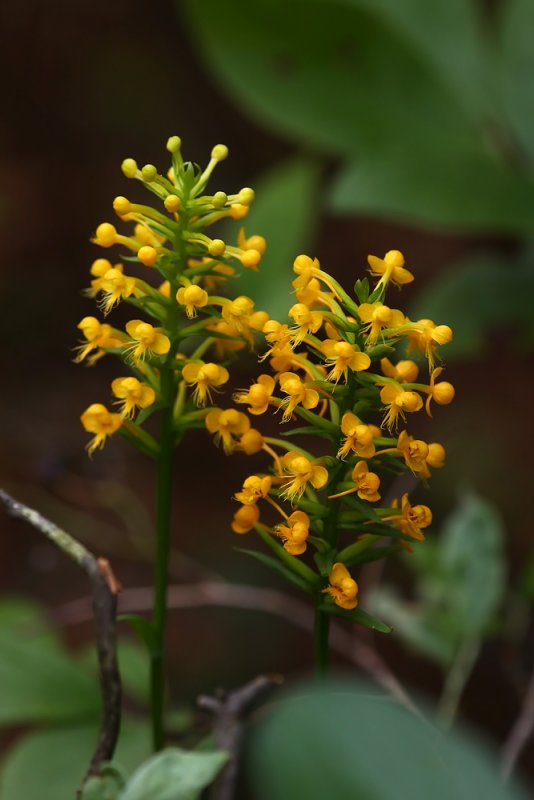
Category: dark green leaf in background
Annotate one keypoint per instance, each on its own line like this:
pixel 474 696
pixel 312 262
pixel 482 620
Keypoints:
pixel 285 211
pixel 40 682
pixel 344 741
pixel 50 764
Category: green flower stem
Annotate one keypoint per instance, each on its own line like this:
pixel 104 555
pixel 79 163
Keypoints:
pixel 163 539
pixel 320 641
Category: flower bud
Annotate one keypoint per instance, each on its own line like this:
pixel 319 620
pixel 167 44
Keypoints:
pixel 121 206
pixel 216 247
pixel 149 173
pixel 129 168
pixel 219 199
pixel 147 255
pixel 174 144
pixel 219 152
pixel 172 203
pixel 246 196
pixel 106 235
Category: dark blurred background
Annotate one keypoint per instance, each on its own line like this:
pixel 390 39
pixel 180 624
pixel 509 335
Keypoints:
pixel 369 127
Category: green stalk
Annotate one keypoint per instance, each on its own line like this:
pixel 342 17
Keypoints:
pixel 320 642
pixel 163 539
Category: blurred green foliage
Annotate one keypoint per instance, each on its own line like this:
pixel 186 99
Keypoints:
pixel 460 579
pixel 342 740
pixel 427 108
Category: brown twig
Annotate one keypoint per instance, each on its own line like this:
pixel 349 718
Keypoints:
pixel 520 733
pixel 230 711
pixel 270 601
pixel 105 588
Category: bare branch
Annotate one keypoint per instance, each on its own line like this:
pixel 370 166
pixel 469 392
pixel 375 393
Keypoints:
pixel 230 711
pixel 105 588
pixel 520 733
pixel 270 601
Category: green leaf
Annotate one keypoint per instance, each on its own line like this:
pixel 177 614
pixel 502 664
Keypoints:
pixel 52 763
pixel 461 189
pixel 336 75
pixel 174 774
pixel 475 297
pixel 471 554
pixel 341 740
pixel 277 566
pixel 40 681
pixel 514 61
pixel 356 615
pixel 142 627
pixel 284 212
pixel 415 624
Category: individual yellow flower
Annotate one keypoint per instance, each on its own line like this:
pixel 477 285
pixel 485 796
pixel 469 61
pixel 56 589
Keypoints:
pixel 115 286
pixel 205 377
pixel 412 519
pixel 258 396
pixel 366 484
pixel 229 342
pixel 425 335
pixel 99 337
pixel 165 289
pixel 132 394
pixel 398 402
pixel 276 333
pixel 300 470
pixel 442 393
pixel 245 518
pixel 212 281
pixel 376 317
pixel 298 393
pixel 254 242
pixel 312 295
pixel 343 588
pixel 98 270
pixel 227 425
pixel 414 451
pixel 307 269
pixel 405 371
pixel 390 268
pixel 192 297
pixel 254 488
pixel 237 313
pixel 98 420
pixel 306 321
pixel 342 356
pixel 294 533
pixel 146 339
pixel 358 437
pixel 282 357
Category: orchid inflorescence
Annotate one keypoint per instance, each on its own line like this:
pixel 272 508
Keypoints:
pixel 333 369
pixel 170 273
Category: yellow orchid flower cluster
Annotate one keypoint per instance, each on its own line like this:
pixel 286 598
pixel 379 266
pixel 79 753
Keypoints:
pixel 170 272
pixel 341 367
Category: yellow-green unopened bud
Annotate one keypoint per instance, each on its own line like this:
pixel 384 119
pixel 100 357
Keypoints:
pixel 172 203
pixel 246 196
pixel 121 206
pixel 129 168
pixel 174 144
pixel 149 172
pixel 219 152
pixel 216 247
pixel 219 199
